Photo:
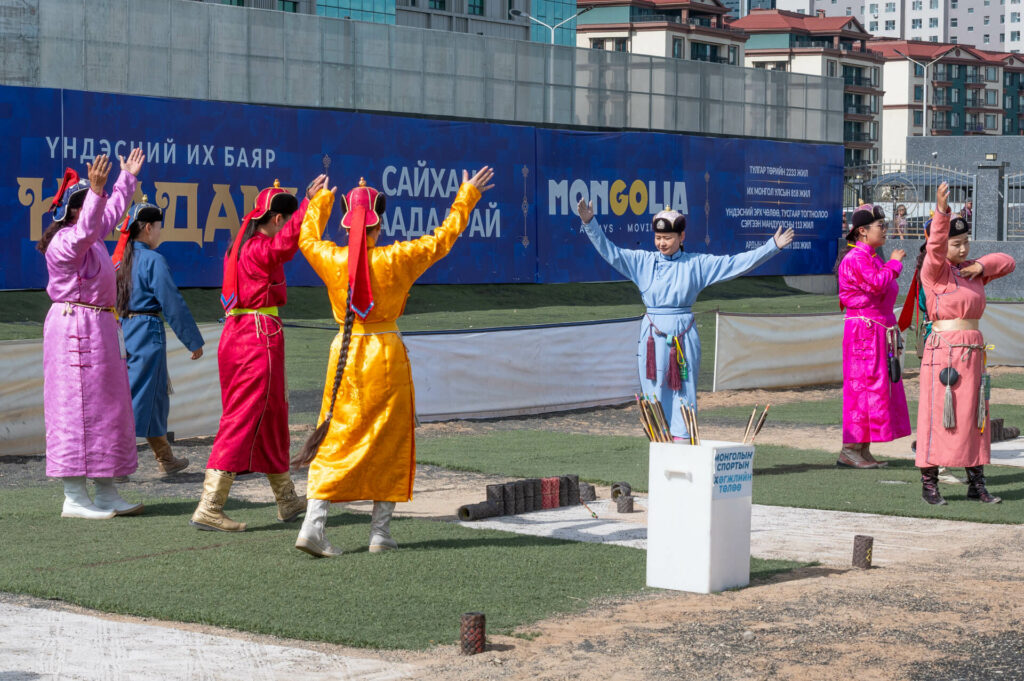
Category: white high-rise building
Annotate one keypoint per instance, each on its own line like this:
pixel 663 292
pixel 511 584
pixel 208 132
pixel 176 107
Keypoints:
pixel 987 24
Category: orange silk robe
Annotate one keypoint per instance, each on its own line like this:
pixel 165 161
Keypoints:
pixel 370 449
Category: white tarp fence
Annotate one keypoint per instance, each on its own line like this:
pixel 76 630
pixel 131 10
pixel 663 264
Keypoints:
pixel 780 351
pixel 524 370
pixel 457 375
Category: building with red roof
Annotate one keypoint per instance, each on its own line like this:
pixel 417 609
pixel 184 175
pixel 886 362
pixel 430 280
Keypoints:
pixel 820 45
pixel 687 29
pixel 950 88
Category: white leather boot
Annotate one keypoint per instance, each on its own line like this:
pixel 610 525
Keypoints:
pixel 77 503
pixel 108 499
pixel 380 527
pixel 312 538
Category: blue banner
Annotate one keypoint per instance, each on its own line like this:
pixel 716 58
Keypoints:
pixel 206 161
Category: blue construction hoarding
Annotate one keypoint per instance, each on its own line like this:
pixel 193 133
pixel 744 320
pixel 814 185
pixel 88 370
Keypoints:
pixel 206 161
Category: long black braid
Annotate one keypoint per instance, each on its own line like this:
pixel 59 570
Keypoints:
pixel 312 446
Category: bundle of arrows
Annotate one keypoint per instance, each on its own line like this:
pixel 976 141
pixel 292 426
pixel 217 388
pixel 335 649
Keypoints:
pixel 752 430
pixel 652 418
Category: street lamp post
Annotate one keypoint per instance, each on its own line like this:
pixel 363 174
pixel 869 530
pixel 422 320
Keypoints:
pixel 520 13
pixel 551 57
pixel 924 103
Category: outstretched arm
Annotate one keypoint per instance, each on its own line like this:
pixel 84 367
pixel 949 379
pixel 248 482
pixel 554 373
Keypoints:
pixel 124 189
pixel 626 262
pixel 716 268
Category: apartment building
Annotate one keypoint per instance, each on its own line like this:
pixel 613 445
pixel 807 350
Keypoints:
pixel 966 91
pixel 680 29
pixel 986 24
pixel 819 45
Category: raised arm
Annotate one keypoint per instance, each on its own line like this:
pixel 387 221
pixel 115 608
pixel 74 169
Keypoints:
pixel 626 262
pixel 174 307
pixel 325 257
pixel 414 257
pixel 124 189
pixel 934 267
pixel 72 243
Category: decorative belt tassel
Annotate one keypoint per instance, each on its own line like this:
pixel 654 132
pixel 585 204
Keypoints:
pixel 981 403
pixel 652 361
pixel 673 376
pixel 948 377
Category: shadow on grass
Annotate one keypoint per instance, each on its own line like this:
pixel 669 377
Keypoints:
pixel 782 574
pixel 790 468
pixel 512 541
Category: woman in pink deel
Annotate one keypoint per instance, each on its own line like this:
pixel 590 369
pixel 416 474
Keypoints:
pixel 874 404
pixel 952 419
pixel 87 405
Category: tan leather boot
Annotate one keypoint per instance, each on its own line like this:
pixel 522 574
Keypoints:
pixel 209 513
pixel 289 504
pixel 165 459
pixel 866 454
pixel 851 457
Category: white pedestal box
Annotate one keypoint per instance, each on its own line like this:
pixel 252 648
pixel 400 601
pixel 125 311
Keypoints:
pixel 698 516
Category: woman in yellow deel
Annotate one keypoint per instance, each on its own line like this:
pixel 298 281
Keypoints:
pixel 364 446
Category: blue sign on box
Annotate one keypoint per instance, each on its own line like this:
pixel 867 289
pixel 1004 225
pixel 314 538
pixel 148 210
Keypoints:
pixel 206 161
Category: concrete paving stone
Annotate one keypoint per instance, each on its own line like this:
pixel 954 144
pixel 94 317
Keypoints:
pixel 46 645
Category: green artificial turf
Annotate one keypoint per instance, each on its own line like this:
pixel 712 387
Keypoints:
pixel 156 565
pixel 827 412
pixel 783 476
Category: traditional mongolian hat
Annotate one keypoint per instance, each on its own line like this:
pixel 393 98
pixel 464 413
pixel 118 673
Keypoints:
pixel 144 212
pixel 863 216
pixel 70 195
pixel 670 220
pixel 363 207
pixel 272 199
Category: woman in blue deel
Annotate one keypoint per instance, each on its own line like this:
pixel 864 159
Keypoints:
pixel 145 289
pixel 669 281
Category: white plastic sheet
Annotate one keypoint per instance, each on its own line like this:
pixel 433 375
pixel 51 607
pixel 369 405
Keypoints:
pixel 523 371
pixel 777 351
pixel 457 375
pixel 195 404
pixel 780 351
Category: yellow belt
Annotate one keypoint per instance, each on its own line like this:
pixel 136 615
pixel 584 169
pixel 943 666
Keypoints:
pixel 371 328
pixel 955 325
pixel 69 303
pixel 235 312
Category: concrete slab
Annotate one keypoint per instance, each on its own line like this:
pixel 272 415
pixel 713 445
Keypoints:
pixel 44 645
pixel 1009 452
pixel 779 532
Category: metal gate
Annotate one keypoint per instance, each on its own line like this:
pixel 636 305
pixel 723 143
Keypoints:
pixel 910 186
pixel 1013 206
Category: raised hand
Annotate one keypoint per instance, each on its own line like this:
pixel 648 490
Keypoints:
pixel 480 178
pixel 586 211
pixel 318 183
pixel 134 163
pixel 99 170
pixel 972 271
pixel 783 238
pixel 898 254
pixel 942 198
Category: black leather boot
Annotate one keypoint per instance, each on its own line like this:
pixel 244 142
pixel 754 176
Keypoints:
pixel 976 486
pixel 930 486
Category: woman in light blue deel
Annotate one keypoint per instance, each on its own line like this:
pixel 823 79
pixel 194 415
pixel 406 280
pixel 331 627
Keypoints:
pixel 669 281
pixel 145 290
